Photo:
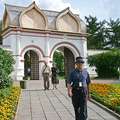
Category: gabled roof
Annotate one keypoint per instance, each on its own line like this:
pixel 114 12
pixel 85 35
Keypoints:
pixel 30 7
pixel 14 12
pixel 11 9
pixel 68 11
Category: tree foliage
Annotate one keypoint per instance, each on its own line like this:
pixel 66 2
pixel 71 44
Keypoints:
pixel 113 33
pixel 96 39
pixel 6 67
pixel 0 32
pixel 106 64
pixel 58 59
pixel 103 34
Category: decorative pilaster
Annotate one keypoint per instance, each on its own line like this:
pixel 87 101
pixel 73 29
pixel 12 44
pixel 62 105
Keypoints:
pixel 19 66
pixel 84 50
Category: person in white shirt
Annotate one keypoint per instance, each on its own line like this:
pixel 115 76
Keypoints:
pixel 46 74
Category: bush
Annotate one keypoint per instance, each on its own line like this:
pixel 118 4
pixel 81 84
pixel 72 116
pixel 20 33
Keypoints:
pixel 4 92
pixel 106 63
pixel 118 109
pixel 6 67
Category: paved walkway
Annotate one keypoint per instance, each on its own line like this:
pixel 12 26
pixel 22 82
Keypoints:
pixel 37 104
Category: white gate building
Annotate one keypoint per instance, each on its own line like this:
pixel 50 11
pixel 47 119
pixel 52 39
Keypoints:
pixel 35 34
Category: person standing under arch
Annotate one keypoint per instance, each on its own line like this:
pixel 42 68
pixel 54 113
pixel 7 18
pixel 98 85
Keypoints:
pixel 54 79
pixel 46 74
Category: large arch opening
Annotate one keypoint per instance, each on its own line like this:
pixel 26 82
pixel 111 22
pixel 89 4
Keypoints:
pixel 31 65
pixel 64 58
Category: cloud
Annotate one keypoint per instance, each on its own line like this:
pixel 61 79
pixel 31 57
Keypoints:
pixel 103 9
pixel 57 5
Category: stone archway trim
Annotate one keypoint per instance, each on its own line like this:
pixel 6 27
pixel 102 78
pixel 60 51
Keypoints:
pixel 32 46
pixel 64 43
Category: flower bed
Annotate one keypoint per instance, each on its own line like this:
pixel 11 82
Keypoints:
pixel 8 103
pixel 108 95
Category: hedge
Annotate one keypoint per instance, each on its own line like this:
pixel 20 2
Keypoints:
pixel 106 64
pixel 6 68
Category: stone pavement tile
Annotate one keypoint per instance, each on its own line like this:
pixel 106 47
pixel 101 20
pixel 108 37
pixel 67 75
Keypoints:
pixel 23 114
pixel 33 110
pixel 100 111
pixel 96 109
pixel 109 117
pixel 92 115
pixel 66 116
pixel 47 111
pixel 95 117
pixel 39 118
pixel 41 115
pixel 71 110
pixel 37 113
pixel 52 116
pixel 112 119
pixel 36 108
pixel 25 110
pixel 27 105
pixel 26 117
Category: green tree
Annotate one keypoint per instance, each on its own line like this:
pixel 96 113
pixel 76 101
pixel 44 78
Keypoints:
pixel 96 39
pixel 113 33
pixel 58 59
pixel 0 32
pixel 6 67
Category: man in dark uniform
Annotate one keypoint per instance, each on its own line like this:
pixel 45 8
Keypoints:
pixel 78 89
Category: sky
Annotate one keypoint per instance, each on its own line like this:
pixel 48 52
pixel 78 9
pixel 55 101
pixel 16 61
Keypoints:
pixel 102 9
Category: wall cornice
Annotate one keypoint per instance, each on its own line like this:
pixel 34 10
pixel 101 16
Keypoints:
pixel 38 31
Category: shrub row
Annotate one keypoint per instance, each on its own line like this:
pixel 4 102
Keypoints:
pixel 6 68
pixel 106 64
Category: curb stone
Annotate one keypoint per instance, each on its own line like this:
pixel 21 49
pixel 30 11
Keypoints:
pixel 18 106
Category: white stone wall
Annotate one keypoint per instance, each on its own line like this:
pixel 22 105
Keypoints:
pixel 40 39
pixel 21 42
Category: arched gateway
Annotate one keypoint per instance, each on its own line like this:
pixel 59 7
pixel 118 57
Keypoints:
pixel 34 35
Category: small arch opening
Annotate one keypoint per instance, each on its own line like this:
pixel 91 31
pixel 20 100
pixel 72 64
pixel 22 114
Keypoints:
pixel 31 65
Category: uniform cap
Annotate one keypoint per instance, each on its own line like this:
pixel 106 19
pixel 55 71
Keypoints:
pixel 79 57
pixel 79 61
